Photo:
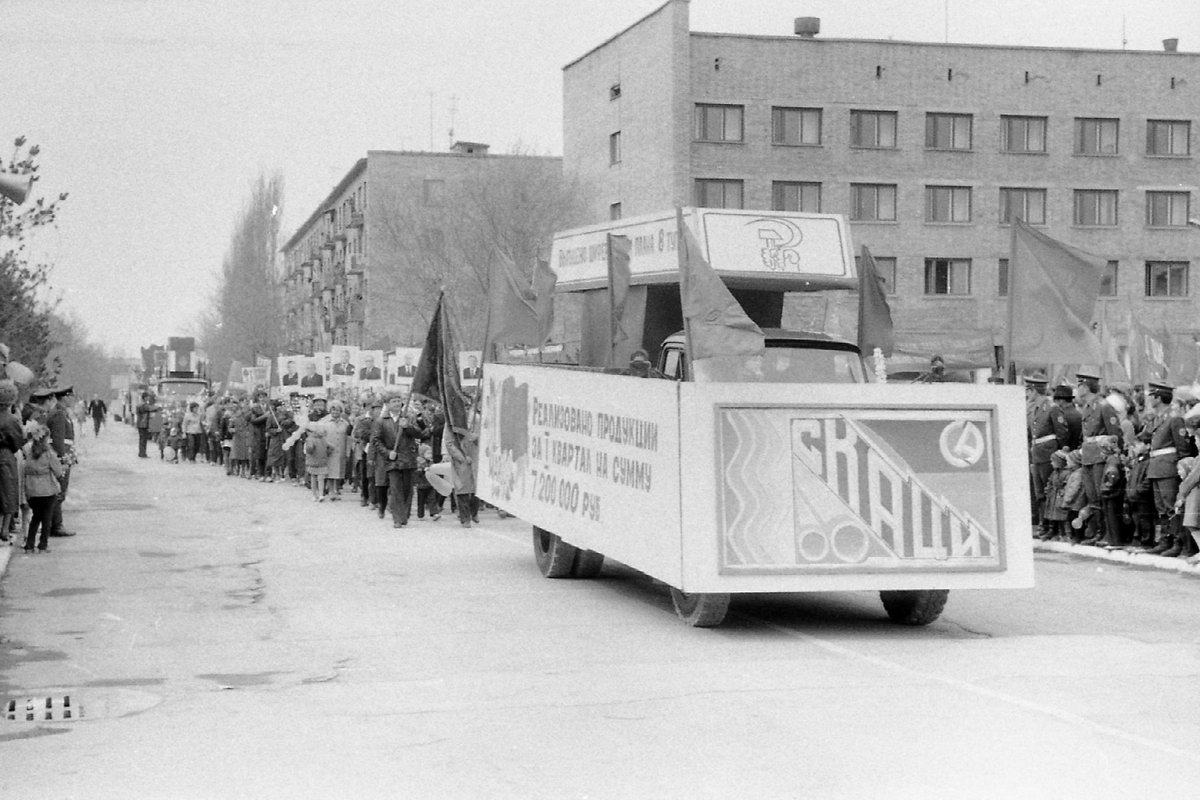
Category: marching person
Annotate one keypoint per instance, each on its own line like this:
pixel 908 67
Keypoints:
pixel 395 436
pixel 97 410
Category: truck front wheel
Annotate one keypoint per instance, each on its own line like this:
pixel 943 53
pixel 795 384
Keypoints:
pixel 554 556
pixel 700 610
pixel 915 607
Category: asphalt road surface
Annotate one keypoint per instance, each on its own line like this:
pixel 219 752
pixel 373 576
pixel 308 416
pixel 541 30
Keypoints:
pixel 226 638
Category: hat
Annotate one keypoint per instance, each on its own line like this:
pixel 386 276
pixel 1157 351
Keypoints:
pixel 61 393
pixel 639 355
pixel 937 359
pixel 1037 379
pixel 1159 386
pixel 1064 392
pixel 1087 374
pixel 42 394
pixel 1192 417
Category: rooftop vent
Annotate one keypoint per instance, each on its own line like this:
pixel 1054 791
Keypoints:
pixel 1170 45
pixel 808 27
pixel 469 148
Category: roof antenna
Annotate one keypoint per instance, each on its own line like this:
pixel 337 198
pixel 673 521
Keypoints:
pixel 453 109
pixel 1124 41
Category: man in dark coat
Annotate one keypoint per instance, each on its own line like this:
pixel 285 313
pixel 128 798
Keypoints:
pixel 1169 442
pixel 96 410
pixel 395 437
pixel 62 441
pixel 1102 437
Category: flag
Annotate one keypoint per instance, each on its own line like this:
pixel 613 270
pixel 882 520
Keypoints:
pixel 544 281
pixel 1052 295
pixel 512 315
pixel 716 324
pixel 1150 354
pixel 619 250
pixel 437 374
pixel 874 315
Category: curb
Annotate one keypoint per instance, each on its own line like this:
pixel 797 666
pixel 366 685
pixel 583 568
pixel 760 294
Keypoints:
pixel 1134 559
pixel 6 551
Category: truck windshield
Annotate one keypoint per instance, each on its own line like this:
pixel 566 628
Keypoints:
pixel 785 363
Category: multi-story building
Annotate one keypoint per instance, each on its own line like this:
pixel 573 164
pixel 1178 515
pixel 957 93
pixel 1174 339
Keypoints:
pixel 930 149
pixel 364 268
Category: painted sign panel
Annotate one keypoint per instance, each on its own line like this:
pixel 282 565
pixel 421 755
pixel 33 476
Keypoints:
pixel 870 489
pixel 568 451
pixel 783 250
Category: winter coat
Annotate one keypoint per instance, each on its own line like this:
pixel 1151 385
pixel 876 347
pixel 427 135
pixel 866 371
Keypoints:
pixel 1074 497
pixel 316 455
pixel 1056 489
pixel 42 474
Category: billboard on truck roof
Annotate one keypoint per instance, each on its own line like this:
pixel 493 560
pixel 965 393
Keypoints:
pixel 769 250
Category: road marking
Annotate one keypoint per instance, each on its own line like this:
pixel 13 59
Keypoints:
pixel 966 686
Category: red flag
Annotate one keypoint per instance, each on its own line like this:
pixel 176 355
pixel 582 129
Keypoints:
pixel 512 313
pixel 874 314
pixel 438 376
pixel 717 325
pixel 1052 295
pixel 619 250
pixel 544 281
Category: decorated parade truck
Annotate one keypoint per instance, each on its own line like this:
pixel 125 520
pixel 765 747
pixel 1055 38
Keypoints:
pixel 795 475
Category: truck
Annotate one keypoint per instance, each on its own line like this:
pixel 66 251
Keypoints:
pixel 177 373
pixel 797 475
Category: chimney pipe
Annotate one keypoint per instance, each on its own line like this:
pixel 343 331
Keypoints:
pixel 807 27
pixel 1170 45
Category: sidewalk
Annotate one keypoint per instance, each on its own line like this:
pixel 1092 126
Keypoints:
pixel 1135 559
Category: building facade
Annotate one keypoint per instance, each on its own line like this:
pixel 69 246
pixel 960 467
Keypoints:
pixel 930 149
pixel 364 269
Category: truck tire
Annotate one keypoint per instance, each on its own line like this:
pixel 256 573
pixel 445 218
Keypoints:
pixel 587 564
pixel 700 610
pixel 915 607
pixel 554 556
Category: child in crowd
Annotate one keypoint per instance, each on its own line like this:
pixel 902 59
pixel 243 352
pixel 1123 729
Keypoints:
pixel 43 471
pixel 1057 514
pixel 1188 499
pixel 1139 496
pixel 1074 497
pixel 426 494
pixel 316 461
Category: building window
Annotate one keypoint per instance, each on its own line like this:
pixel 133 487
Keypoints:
pixel 947 204
pixel 718 193
pixel 1166 278
pixel 1095 137
pixel 795 125
pixel 873 202
pixel 1002 286
pixel 718 123
pixel 1108 280
pixel 434 192
pixel 614 91
pixel 1167 209
pixel 873 129
pixel 1095 207
pixel 614 148
pixel 1024 204
pixel 949 276
pixel 1023 134
pixel 614 211
pixel 885 268
pixel 796 196
pixel 948 131
pixel 1166 137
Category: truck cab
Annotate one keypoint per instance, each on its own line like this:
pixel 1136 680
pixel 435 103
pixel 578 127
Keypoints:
pixel 790 357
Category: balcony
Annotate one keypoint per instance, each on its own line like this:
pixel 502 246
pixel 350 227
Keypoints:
pixel 356 264
pixel 355 220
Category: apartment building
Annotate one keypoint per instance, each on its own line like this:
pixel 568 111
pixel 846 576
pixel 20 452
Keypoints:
pixel 364 268
pixel 930 149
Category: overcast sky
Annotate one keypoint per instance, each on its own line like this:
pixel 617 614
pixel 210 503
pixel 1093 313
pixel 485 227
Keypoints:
pixel 157 115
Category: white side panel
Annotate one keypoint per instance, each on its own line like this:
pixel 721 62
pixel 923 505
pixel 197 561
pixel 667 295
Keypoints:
pixel 820 488
pixel 591 457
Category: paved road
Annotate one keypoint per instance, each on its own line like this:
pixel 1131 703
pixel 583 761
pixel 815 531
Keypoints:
pixel 228 638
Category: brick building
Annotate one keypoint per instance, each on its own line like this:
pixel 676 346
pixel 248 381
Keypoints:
pixel 930 150
pixel 365 267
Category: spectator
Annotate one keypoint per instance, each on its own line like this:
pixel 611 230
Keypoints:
pixel 12 437
pixel 97 409
pixel 43 474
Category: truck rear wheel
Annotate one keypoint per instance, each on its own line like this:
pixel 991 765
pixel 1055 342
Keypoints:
pixel 554 557
pixel 700 610
pixel 915 607
pixel 587 564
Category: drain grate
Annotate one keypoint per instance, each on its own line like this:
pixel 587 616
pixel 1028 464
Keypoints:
pixel 43 709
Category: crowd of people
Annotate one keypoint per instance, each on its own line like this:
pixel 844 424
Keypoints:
pixel 385 450
pixel 37 452
pixel 1116 469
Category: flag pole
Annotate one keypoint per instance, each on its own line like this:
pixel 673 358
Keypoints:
pixel 612 301
pixel 681 257
pixel 1010 366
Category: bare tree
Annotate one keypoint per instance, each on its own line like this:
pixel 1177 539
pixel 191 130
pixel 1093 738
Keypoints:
pixel 497 206
pixel 245 317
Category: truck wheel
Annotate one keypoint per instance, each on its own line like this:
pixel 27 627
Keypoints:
pixel 587 564
pixel 916 607
pixel 700 610
pixel 554 556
